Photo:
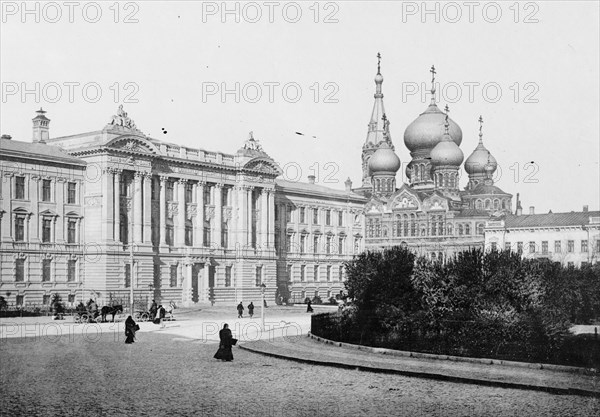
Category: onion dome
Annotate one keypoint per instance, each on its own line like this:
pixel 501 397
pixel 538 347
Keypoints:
pixel 477 162
pixel 384 161
pixel 426 131
pixel 447 153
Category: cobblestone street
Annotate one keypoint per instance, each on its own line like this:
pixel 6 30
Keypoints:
pixel 174 374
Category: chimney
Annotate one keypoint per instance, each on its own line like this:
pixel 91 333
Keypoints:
pixel 585 209
pixel 348 184
pixel 531 210
pixel 311 179
pixel 7 137
pixel 519 208
pixel 41 127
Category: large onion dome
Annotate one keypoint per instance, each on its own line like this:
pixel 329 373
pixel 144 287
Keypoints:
pixel 384 160
pixel 446 153
pixel 426 131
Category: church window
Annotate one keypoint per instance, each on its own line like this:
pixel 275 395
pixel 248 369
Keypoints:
pixel 584 246
pixel 570 245
pixel 478 204
pixel 496 204
pixel 487 204
pixel 503 204
pixel 480 229
pixel 557 246
pixel 467 229
pixel 460 229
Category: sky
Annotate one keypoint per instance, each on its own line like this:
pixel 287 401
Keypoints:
pixel 205 74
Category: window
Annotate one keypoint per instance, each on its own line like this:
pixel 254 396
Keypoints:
pixel 531 247
pixel 258 275
pixel 340 218
pixel 341 273
pixel 71 298
pixel 72 270
pixel 507 246
pixel 169 191
pixel 544 247
pixel 584 246
pixel 20 299
pixel 71 230
pixel 519 247
pixel 169 233
pixel 557 247
pixel 328 273
pixel 340 246
pixel 315 216
pixel 316 244
pixel 480 229
pixel 189 194
pixel 46 186
pixel 598 245
pixel 356 244
pixel 46 228
pixel 302 243
pixel 127 275
pixel 46 263
pixel 19 228
pixel 328 217
pixel 46 299
pixel 173 276
pixel 289 272
pixel 494 246
pixel 206 237
pixel 316 273
pixel 123 187
pixel 228 276
pixel 302 215
pixel 460 229
pixel 288 243
pixel 570 245
pixel 467 229
pixel 206 195
pixel 71 193
pixel 288 213
pixel 328 245
pixel 20 188
pixel 277 208
pixel 189 233
pixel 302 273
pixel 224 235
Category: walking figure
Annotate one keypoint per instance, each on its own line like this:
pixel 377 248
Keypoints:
pixel 309 308
pixel 251 309
pixel 130 328
pixel 226 342
pixel 240 309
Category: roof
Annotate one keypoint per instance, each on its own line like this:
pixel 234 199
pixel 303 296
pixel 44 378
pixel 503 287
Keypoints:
pixel 315 189
pixel 37 151
pixel 579 218
pixel 484 189
pixel 473 213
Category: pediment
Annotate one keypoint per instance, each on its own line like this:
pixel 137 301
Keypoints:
pixel 133 144
pixel 435 203
pixel 266 165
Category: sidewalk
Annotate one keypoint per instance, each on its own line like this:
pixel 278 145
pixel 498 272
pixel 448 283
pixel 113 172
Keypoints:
pixel 308 350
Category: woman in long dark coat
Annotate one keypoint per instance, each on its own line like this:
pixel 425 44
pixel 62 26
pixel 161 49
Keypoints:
pixel 227 341
pixel 130 328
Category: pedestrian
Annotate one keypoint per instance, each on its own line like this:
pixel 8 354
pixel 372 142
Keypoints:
pixel 309 308
pixel 130 328
pixel 265 303
pixel 226 341
pixel 153 309
pixel 251 309
pixel 240 309
pixel 160 315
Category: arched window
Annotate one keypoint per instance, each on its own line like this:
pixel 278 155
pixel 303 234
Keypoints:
pixel 413 225
pixel 478 204
pixel 450 231
pixel 496 204
pixel 422 173
pixel 467 229
pixel 441 256
pixel 433 256
pixel 460 229
pixel 503 204
pixel 480 229
pixel 488 204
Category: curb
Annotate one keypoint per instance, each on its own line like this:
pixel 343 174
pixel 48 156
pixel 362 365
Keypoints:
pixel 434 376
pixel 483 361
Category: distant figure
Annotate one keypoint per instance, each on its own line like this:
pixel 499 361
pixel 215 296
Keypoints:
pixel 153 309
pixel 130 328
pixel 240 309
pixel 226 342
pixel 309 308
pixel 160 315
pixel 265 303
pixel 251 309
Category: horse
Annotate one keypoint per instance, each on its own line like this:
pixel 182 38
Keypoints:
pixel 114 310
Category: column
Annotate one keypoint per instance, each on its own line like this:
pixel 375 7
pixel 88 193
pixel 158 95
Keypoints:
pixel 162 210
pixel 180 227
pixel 195 220
pixel 264 218
pixel 243 226
pixel 147 208
pixel 199 237
pixel 116 196
pixel 218 214
pixel 137 207
pixel 187 285
pixel 250 215
pixel 234 225
pixel 203 296
pixel 271 200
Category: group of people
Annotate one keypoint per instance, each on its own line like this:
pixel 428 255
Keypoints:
pixel 240 310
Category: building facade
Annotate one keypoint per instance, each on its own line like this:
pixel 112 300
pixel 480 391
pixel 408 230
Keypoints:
pixel 573 239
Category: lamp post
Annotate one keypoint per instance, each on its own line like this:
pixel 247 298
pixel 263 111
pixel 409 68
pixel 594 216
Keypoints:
pixel 131 259
pixel 262 308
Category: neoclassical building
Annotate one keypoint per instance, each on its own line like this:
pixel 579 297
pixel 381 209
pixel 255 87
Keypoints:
pixel 429 214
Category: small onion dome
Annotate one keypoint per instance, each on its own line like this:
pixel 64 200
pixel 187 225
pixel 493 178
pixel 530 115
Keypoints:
pixel 426 131
pixel 378 78
pixel 446 153
pixel 384 160
pixel 477 161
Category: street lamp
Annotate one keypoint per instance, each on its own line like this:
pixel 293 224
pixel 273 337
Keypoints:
pixel 262 308
pixel 131 259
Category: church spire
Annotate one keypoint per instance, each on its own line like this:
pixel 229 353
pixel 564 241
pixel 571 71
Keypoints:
pixel 378 123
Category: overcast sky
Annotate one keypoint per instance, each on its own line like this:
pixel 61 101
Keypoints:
pixel 530 68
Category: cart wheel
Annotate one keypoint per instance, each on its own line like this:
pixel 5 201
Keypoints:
pixel 144 317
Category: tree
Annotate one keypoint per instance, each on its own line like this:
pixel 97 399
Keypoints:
pixel 57 304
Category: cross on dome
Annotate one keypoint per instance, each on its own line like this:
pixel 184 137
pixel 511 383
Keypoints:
pixel 480 128
pixel 432 71
pixel 378 63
